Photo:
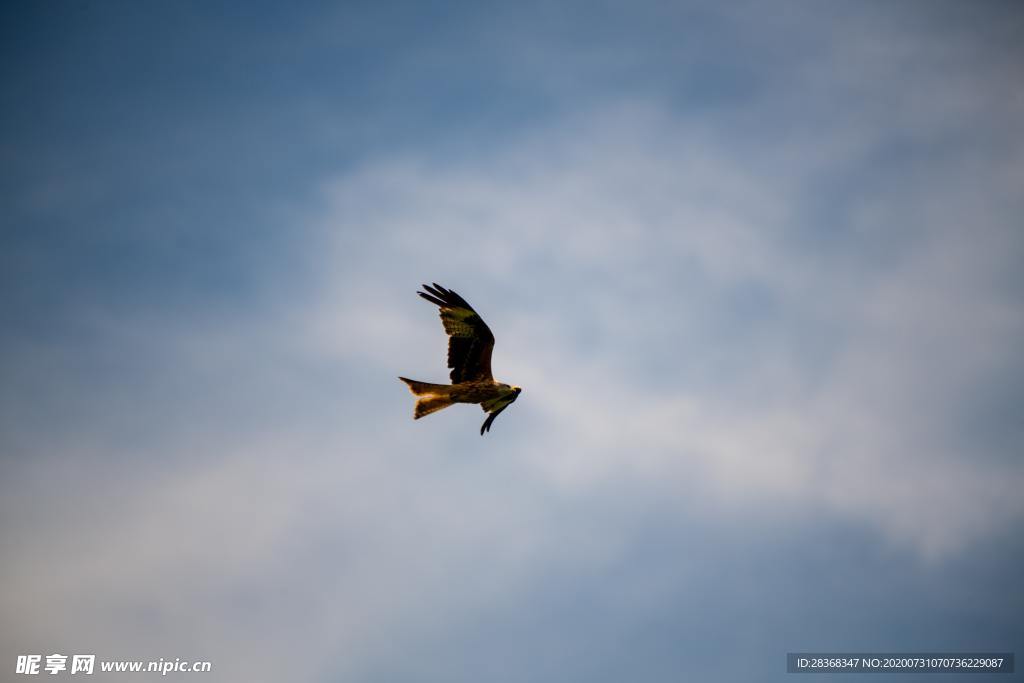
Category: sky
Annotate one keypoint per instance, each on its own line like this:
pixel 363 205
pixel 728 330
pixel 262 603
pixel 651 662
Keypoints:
pixel 757 267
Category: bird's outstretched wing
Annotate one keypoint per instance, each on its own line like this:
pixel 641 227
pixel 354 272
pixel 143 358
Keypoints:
pixel 470 341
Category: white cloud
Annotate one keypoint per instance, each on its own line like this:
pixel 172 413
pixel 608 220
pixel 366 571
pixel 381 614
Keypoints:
pixel 591 255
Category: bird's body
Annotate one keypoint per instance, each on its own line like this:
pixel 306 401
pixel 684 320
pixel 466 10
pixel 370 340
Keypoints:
pixel 469 357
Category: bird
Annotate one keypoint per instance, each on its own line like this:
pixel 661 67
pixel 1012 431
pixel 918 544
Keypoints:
pixel 470 343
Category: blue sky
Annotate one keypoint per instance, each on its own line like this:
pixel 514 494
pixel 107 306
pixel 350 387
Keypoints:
pixel 757 268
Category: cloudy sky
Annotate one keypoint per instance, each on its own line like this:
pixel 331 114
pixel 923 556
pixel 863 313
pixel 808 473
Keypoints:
pixel 756 265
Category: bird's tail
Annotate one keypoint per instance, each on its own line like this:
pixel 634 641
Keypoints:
pixel 431 397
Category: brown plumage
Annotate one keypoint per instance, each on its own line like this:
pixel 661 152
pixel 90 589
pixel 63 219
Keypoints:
pixel 470 343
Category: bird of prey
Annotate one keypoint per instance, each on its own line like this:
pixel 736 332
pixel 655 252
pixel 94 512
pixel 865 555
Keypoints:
pixel 470 343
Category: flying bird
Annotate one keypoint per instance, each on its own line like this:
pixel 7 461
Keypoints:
pixel 470 343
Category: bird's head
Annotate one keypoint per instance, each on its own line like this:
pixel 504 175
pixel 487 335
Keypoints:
pixel 518 390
